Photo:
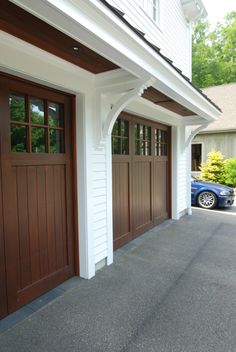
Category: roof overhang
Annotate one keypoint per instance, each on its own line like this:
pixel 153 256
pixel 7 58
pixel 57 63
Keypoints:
pixel 88 21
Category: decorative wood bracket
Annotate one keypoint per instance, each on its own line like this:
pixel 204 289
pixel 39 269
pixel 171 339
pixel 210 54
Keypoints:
pixel 194 133
pixel 122 102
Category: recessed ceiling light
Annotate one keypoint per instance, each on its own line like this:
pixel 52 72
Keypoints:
pixel 75 49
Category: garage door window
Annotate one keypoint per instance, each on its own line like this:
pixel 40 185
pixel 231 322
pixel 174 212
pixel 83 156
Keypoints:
pixel 142 139
pixel 37 125
pixel 160 142
pixel 120 137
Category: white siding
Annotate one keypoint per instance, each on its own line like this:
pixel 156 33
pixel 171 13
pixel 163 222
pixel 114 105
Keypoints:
pixel 172 36
pixel 182 182
pixel 99 204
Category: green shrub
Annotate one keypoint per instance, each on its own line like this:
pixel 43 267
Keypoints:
pixel 214 168
pixel 230 172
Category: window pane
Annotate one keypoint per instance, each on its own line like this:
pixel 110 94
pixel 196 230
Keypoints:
pixel 155 10
pixel 136 131
pixel 137 147
pixel 115 145
pixel 148 133
pixel 157 149
pixel 124 128
pixel 115 131
pixel 164 149
pixel 147 148
pixel 17 107
pixel 140 127
pixel 18 138
pixel 38 140
pixel 164 136
pixel 56 141
pixel 55 115
pixel 37 111
pixel 125 146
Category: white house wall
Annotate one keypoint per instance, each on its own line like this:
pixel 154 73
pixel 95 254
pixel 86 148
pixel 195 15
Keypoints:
pixel 172 35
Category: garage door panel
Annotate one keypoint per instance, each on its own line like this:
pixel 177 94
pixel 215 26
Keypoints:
pixel 37 192
pixel 160 196
pixel 142 210
pixel 60 216
pixel 38 288
pixel 121 203
pixel 33 219
pixel 23 226
pixel 3 296
pixel 147 148
pixel 51 226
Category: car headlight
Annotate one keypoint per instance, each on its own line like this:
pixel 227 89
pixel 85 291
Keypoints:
pixel 225 193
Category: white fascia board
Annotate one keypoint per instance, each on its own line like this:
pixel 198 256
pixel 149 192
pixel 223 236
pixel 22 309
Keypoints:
pixel 87 21
pixel 143 108
pixel 42 67
pixel 217 131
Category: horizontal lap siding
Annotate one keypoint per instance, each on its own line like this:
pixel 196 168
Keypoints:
pixel 172 36
pixel 99 204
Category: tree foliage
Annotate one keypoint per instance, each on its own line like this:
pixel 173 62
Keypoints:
pixel 230 172
pixel 214 52
pixel 214 168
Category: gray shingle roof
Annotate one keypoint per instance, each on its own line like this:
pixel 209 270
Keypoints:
pixel 225 97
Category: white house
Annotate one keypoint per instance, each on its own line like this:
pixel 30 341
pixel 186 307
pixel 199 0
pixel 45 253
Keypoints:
pixel 70 183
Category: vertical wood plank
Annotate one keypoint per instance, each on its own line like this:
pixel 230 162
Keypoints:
pixel 50 209
pixel 42 221
pixel 3 291
pixel 63 190
pixel 58 217
pixel 33 223
pixel 11 234
pixel 22 209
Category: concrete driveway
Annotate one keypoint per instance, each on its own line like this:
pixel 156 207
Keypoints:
pixel 172 290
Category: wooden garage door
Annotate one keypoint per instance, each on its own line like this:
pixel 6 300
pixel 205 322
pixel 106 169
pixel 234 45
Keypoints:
pixel 141 176
pixel 36 216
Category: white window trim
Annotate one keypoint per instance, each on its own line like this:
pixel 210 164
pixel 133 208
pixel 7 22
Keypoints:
pixel 144 8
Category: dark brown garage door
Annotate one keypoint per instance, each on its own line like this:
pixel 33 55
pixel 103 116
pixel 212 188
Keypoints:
pixel 141 176
pixel 36 216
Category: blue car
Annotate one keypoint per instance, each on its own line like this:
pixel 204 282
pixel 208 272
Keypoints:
pixel 210 195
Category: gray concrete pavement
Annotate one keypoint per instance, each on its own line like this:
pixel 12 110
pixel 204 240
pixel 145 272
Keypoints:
pixel 172 290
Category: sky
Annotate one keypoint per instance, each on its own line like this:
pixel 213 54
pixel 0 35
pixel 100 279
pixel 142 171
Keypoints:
pixel 217 9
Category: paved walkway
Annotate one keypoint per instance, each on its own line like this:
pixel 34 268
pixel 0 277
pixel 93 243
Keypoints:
pixel 172 290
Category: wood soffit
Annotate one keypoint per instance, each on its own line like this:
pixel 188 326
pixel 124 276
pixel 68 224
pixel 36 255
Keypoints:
pixel 166 102
pixel 31 29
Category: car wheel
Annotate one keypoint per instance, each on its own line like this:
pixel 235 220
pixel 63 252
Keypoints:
pixel 207 200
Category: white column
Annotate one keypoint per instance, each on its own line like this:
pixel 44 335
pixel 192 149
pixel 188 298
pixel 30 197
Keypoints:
pixel 174 181
pixel 109 202
pixel 188 173
pixel 84 106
